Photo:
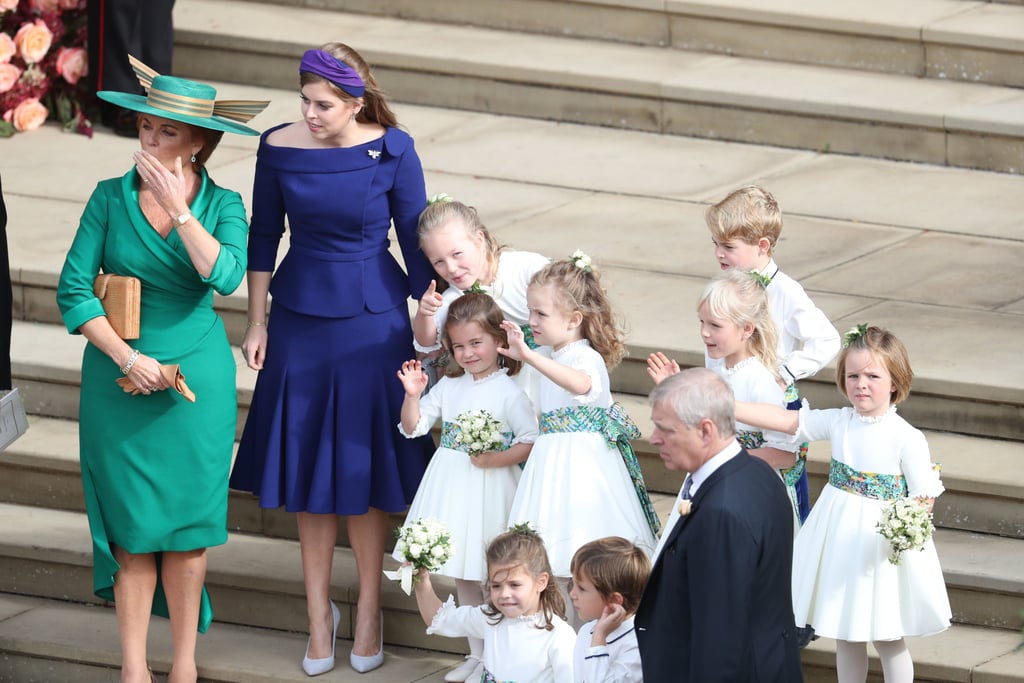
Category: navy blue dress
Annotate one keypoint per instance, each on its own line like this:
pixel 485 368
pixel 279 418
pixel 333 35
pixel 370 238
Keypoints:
pixel 321 434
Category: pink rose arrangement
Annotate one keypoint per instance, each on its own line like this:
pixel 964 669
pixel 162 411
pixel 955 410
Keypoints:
pixel 43 64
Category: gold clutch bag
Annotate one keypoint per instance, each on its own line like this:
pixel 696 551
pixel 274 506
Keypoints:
pixel 121 296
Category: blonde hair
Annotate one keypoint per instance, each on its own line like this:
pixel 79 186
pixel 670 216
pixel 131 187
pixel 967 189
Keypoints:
pixel 579 289
pixel 746 214
pixel 481 309
pixel 741 298
pixel 375 107
pixel 520 548
pixel 884 346
pixel 441 213
pixel 613 565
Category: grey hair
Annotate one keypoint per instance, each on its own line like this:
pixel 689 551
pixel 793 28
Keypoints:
pixel 696 394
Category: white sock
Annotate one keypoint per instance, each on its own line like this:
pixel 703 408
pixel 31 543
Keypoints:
pixel 851 661
pixel 897 666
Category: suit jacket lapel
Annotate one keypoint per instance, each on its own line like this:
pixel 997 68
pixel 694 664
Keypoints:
pixel 718 475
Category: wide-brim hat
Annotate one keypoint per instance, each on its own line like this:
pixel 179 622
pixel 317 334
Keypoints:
pixel 180 99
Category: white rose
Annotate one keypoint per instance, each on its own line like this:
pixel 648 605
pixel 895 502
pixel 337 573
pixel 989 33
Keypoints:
pixel 415 550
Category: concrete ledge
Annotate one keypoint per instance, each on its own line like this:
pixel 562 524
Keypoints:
pixel 934 38
pixel 55 641
pixel 958 654
pixel 599 82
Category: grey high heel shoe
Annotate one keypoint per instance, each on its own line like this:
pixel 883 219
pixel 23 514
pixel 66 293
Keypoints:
pixel 315 667
pixel 362 663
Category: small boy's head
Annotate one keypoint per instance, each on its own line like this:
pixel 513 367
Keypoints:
pixel 745 227
pixel 608 570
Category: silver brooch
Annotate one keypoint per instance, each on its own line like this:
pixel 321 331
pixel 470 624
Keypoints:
pixel 374 153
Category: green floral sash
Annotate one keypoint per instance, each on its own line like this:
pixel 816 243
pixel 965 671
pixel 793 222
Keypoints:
pixel 791 475
pixel 867 484
pixel 617 428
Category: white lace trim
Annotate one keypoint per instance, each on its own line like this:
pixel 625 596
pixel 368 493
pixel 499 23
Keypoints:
pixel 872 419
pixel 739 366
pixel 497 373
pixel 448 605
pixel 568 347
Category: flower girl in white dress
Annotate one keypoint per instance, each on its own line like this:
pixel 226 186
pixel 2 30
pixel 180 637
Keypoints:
pixel 522 625
pixel 844 584
pixel 471 480
pixel 582 481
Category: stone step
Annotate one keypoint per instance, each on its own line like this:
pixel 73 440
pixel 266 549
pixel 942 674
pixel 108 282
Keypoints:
pixel 50 641
pixel 964 654
pixel 53 641
pixel 980 42
pixel 983 478
pixel 624 86
pixel 257 581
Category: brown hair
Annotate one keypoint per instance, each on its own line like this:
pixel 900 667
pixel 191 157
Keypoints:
pixel 613 565
pixel 520 548
pixel 746 214
pixel 375 107
pixel 211 138
pixel 579 289
pixel 885 347
pixel 741 298
pixel 444 212
pixel 479 308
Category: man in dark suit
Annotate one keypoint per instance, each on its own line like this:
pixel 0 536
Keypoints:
pixel 718 605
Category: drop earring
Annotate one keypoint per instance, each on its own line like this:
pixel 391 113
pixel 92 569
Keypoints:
pixel 193 158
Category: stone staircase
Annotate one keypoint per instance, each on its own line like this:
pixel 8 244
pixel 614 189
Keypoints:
pixel 931 252
pixel 933 81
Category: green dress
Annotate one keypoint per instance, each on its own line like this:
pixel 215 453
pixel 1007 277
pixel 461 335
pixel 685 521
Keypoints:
pixel 155 468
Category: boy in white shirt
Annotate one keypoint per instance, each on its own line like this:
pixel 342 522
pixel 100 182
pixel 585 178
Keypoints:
pixel 745 227
pixel 608 578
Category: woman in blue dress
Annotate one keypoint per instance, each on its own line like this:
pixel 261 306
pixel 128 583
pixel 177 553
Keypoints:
pixel 321 435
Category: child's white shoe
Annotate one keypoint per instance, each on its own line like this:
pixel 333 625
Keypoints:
pixel 464 671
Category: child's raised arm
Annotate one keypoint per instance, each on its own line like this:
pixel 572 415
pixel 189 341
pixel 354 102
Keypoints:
pixel 414 381
pixel 767 416
pixel 576 382
pixel 426 598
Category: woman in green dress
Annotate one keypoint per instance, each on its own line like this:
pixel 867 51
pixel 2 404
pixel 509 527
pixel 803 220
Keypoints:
pixel 155 465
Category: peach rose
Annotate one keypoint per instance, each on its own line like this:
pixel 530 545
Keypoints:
pixel 45 5
pixel 8 4
pixel 7 48
pixel 72 63
pixel 28 115
pixel 9 75
pixel 33 41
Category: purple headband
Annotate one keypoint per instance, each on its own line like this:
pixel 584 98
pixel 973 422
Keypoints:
pixel 333 69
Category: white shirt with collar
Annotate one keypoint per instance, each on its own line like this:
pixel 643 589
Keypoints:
pixel 807 339
pixel 698 477
pixel 618 661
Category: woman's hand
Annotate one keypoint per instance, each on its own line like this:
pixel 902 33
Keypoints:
pixel 414 380
pixel 145 374
pixel 169 189
pixel 254 346
pixel 660 367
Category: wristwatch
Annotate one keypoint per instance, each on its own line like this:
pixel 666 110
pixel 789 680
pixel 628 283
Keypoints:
pixel 183 218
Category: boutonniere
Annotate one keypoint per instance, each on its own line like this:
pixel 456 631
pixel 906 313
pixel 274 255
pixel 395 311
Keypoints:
pixel 685 507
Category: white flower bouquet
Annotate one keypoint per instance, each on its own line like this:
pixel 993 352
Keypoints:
pixel 907 524
pixel 480 432
pixel 425 544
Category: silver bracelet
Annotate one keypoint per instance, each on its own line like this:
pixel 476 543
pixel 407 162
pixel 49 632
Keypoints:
pixel 131 361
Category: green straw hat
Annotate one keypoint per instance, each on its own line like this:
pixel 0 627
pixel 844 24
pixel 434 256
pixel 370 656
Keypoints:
pixel 180 99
